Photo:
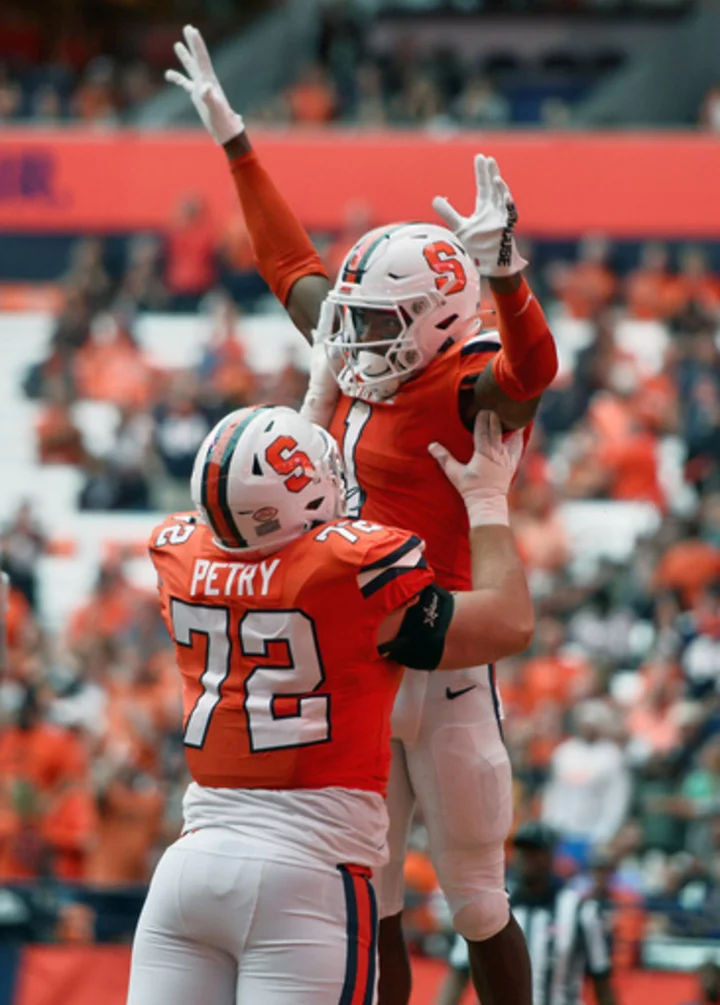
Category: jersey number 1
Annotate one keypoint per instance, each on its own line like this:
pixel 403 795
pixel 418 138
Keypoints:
pixel 300 673
pixel 355 421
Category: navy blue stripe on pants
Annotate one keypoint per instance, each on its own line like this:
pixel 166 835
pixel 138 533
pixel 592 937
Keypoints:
pixel 495 698
pixel 362 925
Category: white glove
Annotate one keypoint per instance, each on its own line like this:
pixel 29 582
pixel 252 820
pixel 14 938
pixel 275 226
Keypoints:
pixel 204 88
pixel 487 235
pixel 322 393
pixel 485 480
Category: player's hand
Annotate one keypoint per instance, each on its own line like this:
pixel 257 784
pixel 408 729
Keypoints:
pixel 322 393
pixel 204 88
pixel 485 480
pixel 487 235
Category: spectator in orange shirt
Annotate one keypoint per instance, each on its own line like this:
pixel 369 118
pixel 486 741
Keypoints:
pixel 191 266
pixel 143 705
pixel 540 530
pixel 236 246
pixel 110 367
pixel 696 284
pixel 110 610
pixel 653 725
pixel 46 815
pixel 312 100
pixel 652 292
pixel 631 468
pixel 655 404
pixel 588 286
pixel 688 566
pixel 614 455
pixel 69 829
pixel 130 805
pixel 59 441
pixel 18 618
pixel 553 673
pixel 228 381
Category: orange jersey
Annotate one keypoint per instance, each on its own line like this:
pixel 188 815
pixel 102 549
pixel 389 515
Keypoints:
pixel 392 478
pixel 282 681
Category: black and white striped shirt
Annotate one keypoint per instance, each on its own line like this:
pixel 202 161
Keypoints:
pixel 566 937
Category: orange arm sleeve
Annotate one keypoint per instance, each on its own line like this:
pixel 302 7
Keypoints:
pixel 283 251
pixel 527 362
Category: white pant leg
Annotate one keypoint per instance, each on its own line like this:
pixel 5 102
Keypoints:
pixel 227 924
pixel 460 772
pixel 313 940
pixel 390 880
pixel 175 960
pixel 408 706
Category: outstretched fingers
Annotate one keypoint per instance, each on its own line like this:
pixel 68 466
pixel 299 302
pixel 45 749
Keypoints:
pixel 173 77
pixel 447 213
pixel 196 45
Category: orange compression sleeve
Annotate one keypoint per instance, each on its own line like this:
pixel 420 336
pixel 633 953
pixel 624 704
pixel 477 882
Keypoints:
pixel 527 362
pixel 283 251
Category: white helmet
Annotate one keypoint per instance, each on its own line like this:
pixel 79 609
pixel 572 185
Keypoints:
pixel 416 280
pixel 265 475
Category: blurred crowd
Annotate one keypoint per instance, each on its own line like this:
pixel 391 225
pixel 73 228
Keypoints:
pixel 612 717
pixel 355 82
pixel 91 63
pixel 159 417
pixel 97 70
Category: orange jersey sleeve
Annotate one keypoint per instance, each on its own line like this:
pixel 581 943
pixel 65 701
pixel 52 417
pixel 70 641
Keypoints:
pixel 282 681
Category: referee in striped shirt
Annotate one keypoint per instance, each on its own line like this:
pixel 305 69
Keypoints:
pixel 565 931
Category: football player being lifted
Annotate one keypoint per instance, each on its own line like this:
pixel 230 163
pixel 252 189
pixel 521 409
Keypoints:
pixel 400 359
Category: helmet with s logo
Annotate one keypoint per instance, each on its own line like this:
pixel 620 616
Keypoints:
pixel 402 294
pixel 264 476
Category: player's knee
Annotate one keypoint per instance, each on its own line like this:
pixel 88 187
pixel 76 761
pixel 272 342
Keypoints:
pixel 484 916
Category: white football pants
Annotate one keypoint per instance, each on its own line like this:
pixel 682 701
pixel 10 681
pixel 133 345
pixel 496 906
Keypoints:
pixel 224 924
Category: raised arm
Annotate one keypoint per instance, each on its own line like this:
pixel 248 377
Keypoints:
pixel 527 363
pixel 495 619
pixel 285 256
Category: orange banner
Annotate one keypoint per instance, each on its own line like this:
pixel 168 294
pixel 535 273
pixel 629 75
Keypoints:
pixel 634 185
pixel 97 975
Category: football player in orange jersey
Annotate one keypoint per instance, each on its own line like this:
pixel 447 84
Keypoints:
pixel 399 358
pixel 292 624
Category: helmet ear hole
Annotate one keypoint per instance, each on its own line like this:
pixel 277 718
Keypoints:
pixel 256 469
pixel 315 504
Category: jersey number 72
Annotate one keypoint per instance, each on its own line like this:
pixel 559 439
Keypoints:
pixel 297 675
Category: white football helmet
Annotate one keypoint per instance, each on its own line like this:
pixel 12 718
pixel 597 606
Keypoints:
pixel 264 476
pixel 403 293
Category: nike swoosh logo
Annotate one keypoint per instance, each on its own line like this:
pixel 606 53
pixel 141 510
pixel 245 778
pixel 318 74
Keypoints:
pixel 456 694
